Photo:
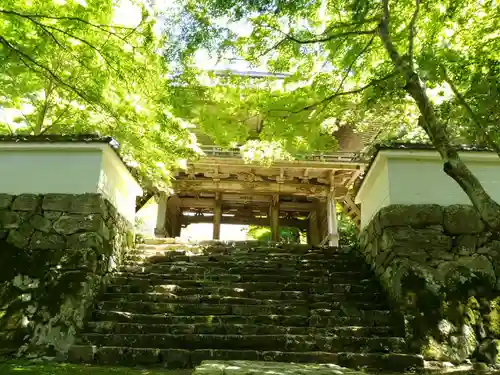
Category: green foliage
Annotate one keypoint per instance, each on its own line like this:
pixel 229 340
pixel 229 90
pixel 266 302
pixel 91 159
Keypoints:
pixel 75 67
pixel 348 232
pixel 340 69
pixel 288 235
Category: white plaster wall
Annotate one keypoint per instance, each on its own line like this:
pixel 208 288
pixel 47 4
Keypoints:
pixel 414 181
pixel 417 177
pixel 117 184
pixel 68 168
pixel 379 193
pixel 42 171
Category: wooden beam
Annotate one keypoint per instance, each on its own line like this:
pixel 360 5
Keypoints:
pixel 261 187
pixel 243 220
pixel 210 203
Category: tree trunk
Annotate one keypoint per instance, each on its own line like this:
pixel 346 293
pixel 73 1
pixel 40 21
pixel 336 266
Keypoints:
pixel 453 165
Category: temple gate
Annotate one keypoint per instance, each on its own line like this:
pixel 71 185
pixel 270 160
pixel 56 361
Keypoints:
pixel 221 188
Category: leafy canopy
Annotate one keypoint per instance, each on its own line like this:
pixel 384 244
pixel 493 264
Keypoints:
pixel 339 70
pixel 75 66
pixel 393 65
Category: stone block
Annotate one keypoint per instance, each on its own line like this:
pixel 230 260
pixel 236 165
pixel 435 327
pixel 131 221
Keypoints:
pixel 5 201
pixel 69 224
pixel 44 241
pixel 465 244
pixel 489 351
pixel 52 215
pixel 26 202
pixel 415 215
pixel 9 220
pixel 462 219
pixel 458 271
pixel 85 240
pixel 26 229
pixel 17 239
pixel 88 204
pixel 57 202
pixel 41 223
pixel 406 240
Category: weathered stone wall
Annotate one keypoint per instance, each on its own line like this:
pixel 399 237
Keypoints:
pixel 56 251
pixel 441 268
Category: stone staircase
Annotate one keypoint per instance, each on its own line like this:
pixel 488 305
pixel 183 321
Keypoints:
pixel 175 306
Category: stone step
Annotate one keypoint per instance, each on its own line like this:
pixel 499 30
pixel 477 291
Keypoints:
pixel 370 318
pixel 182 358
pixel 234 329
pixel 235 291
pixel 146 284
pixel 285 258
pixel 320 277
pixel 243 267
pixel 174 308
pixel 257 298
pixel 252 342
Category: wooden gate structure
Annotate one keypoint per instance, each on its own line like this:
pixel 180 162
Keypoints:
pixel 221 188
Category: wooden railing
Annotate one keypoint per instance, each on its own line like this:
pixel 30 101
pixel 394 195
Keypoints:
pixel 335 157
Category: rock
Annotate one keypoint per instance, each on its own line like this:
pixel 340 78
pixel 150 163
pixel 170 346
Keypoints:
pixel 446 328
pixel 17 239
pixel 465 244
pixel 26 202
pixel 465 268
pixel 442 255
pixel 5 201
pixel 52 215
pixel 9 220
pixel 26 229
pixel 85 240
pixel 462 219
pixel 69 224
pixel 57 202
pixel 456 349
pixel 41 223
pixel 408 240
pixel 88 204
pixel 489 351
pixel 492 249
pixel 416 215
pixel 43 241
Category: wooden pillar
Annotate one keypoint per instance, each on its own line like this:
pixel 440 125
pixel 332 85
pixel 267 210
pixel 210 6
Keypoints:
pixel 275 217
pixel 173 217
pixel 333 235
pixel 161 217
pixel 217 216
pixel 313 235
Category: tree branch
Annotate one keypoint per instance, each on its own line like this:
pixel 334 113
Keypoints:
pixel 340 25
pixel 413 31
pixel 67 18
pixel 31 63
pixel 480 127
pixel 44 110
pixel 350 92
pixel 325 38
pixel 453 165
